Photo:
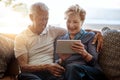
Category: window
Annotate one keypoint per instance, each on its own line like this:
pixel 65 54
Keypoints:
pixel 99 12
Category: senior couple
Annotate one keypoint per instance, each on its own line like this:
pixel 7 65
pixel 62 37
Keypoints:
pixel 34 48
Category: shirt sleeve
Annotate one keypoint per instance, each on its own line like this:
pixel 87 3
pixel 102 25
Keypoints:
pixel 92 50
pixel 20 46
pixel 57 31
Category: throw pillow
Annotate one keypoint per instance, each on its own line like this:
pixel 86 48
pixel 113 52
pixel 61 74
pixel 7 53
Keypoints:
pixel 109 57
pixel 6 53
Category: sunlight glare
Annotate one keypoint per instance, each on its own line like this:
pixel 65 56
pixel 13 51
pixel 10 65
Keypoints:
pixel 12 22
pixel 15 22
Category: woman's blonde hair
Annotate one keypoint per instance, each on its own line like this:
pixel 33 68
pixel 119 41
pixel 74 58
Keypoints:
pixel 76 9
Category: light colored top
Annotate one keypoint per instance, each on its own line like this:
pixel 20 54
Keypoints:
pixel 38 47
pixel 86 38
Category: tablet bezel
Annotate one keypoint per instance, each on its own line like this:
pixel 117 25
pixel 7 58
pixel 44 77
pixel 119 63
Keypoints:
pixel 64 46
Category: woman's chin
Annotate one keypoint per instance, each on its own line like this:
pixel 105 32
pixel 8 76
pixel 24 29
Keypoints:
pixel 72 33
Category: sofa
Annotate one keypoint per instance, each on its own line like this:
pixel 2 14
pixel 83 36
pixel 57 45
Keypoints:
pixel 9 68
pixel 109 58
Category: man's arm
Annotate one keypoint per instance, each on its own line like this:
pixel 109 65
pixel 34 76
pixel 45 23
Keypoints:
pixel 97 39
pixel 25 67
pixel 22 55
pixel 55 69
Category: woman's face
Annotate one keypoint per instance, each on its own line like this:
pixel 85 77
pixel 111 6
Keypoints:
pixel 73 24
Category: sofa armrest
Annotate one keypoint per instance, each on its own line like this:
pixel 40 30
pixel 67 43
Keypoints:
pixel 9 78
pixel 13 68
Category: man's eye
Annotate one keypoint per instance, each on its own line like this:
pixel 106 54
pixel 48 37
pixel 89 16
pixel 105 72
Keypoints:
pixel 75 22
pixel 68 21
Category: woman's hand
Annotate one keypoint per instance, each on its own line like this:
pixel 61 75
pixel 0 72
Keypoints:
pixel 78 47
pixel 63 56
pixel 55 69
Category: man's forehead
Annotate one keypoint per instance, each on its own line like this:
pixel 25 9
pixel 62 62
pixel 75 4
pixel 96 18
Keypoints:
pixel 41 12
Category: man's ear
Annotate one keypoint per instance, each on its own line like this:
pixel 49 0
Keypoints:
pixel 31 17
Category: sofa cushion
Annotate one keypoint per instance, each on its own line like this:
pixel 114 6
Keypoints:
pixel 6 53
pixel 110 55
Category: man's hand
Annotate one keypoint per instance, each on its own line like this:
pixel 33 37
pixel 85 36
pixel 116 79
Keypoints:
pixel 55 69
pixel 97 39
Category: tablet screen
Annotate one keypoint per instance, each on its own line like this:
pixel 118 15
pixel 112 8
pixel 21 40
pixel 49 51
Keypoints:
pixel 64 46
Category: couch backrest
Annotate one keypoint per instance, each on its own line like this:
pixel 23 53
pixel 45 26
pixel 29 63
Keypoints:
pixel 8 63
pixel 109 58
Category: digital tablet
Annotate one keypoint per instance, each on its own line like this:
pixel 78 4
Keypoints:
pixel 64 46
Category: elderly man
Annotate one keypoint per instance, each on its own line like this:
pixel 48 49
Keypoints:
pixel 34 47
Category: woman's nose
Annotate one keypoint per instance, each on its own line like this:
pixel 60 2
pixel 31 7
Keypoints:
pixel 71 25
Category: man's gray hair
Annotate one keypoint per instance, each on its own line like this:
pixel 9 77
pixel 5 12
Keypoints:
pixel 38 6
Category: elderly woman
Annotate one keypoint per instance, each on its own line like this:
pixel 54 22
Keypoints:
pixel 84 64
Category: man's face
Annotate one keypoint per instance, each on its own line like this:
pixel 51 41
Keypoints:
pixel 40 20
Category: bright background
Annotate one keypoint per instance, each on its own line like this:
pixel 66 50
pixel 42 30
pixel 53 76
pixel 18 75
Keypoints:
pixel 14 18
